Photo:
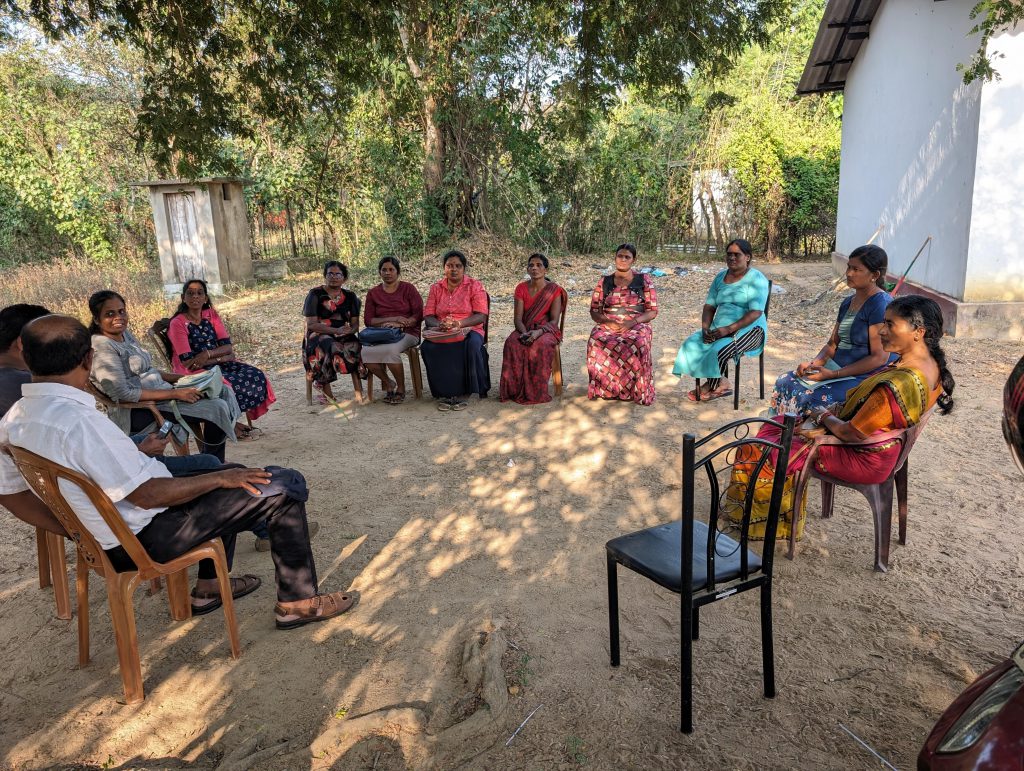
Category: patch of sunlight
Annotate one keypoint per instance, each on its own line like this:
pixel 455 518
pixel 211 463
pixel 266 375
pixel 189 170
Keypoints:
pixel 442 563
pixel 343 555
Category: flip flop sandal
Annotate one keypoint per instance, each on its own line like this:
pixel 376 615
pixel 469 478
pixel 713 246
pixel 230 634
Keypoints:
pixel 459 405
pixel 388 396
pixel 397 398
pixel 717 394
pixel 444 405
pixel 693 397
pixel 247 584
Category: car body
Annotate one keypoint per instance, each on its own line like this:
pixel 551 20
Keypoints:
pixel 984 726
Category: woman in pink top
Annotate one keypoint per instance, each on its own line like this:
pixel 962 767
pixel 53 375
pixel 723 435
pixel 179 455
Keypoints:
pixel 200 340
pixel 392 304
pixel 453 341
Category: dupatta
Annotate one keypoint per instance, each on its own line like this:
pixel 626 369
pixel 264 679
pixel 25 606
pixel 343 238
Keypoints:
pixel 904 388
pixel 539 308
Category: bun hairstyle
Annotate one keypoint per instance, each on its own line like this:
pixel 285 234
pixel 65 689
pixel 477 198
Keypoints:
pixel 96 301
pixel 874 259
pixel 922 313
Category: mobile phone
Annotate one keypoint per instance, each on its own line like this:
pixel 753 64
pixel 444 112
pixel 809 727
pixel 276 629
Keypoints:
pixel 165 429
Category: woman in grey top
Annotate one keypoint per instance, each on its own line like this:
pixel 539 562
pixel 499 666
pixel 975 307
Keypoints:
pixel 123 370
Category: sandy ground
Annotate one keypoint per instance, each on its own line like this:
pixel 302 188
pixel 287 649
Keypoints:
pixel 476 540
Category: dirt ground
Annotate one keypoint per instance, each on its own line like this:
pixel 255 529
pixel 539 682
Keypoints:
pixel 476 541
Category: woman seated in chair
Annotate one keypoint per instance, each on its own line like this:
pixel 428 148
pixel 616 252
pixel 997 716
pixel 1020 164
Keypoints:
pixel 622 306
pixel 453 341
pixel 894 398
pixel 530 348
pixel 123 370
pixel 732 324
pixel 395 307
pixel 199 340
pixel 853 351
pixel 332 321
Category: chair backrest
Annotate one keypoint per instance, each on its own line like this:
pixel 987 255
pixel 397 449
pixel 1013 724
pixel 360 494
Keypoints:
pixel 157 335
pixel 43 476
pixel 741 446
pixel 487 321
pixel 910 436
pixel 767 305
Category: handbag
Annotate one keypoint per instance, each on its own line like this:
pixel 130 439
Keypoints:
pixel 209 383
pixel 380 335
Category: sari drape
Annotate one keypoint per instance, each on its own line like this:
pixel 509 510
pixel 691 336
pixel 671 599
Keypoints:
pixel 526 369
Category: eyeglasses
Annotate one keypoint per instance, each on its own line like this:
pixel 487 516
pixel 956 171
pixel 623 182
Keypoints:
pixel 335 275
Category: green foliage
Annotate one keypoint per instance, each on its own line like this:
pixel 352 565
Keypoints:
pixel 992 17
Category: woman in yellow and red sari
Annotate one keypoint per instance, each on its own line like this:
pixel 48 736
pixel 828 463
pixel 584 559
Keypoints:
pixel 892 399
pixel 530 348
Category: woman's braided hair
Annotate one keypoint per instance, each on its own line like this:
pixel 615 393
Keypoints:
pixel 923 313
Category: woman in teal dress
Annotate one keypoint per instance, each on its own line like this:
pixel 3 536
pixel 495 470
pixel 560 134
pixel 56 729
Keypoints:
pixel 732 324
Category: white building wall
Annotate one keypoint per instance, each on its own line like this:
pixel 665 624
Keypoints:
pixel 910 130
pixel 995 258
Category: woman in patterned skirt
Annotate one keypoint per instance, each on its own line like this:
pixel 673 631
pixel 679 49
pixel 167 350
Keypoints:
pixel 619 350
pixel 200 340
pixel 332 321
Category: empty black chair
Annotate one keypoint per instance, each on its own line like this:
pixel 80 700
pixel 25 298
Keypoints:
pixel 696 559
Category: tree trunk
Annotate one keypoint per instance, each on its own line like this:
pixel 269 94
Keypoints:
pixel 433 150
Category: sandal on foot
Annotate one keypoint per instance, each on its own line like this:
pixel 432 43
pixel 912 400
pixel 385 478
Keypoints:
pixel 445 405
pixel 693 396
pixel 288 615
pixel 718 394
pixel 458 404
pixel 397 398
pixel 388 396
pixel 240 587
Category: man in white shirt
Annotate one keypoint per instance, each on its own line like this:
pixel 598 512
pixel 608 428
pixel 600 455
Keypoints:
pixel 57 419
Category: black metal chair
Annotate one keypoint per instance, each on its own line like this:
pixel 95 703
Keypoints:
pixel 697 560
pixel 737 359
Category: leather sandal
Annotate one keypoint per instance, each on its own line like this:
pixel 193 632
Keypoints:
pixel 240 587
pixel 396 398
pixel 288 615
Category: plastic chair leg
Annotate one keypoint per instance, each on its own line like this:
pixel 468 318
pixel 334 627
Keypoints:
pixel 767 641
pixel 82 600
pixel 556 370
pixel 120 588
pixel 901 499
pixel 43 558
pixel 309 390
pixel 178 596
pixel 224 582
pixel 613 611
pixel 59 574
pixel 828 495
pixel 880 498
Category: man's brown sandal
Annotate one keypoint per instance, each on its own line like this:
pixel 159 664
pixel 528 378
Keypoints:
pixel 289 615
pixel 240 587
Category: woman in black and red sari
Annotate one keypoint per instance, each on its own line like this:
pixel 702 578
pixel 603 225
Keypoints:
pixel 332 321
pixel 530 349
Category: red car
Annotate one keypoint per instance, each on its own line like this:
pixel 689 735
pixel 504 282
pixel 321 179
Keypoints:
pixel 984 727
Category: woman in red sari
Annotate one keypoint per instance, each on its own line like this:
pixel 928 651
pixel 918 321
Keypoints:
pixel 530 349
